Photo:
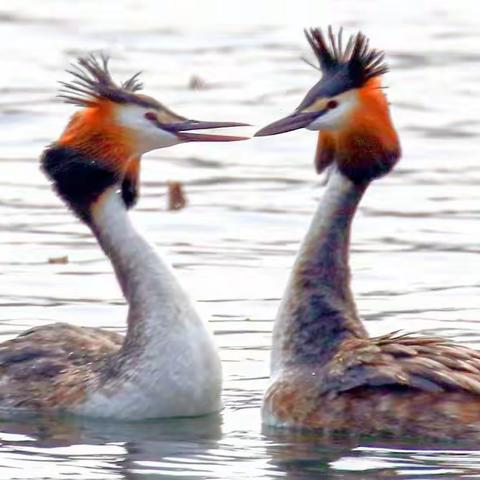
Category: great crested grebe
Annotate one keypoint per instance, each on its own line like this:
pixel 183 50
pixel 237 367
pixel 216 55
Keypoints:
pixel 167 364
pixel 327 374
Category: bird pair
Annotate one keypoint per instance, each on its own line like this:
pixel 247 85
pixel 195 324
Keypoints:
pixel 327 374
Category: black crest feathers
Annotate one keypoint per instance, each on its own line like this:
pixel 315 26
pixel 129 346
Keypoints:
pixel 360 61
pixel 92 82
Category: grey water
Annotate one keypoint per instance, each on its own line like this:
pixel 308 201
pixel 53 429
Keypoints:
pixel 416 241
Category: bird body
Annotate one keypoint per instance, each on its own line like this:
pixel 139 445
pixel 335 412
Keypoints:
pixel 410 386
pixel 327 374
pixel 167 364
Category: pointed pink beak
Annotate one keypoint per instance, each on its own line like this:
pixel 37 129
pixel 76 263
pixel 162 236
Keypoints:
pixel 183 131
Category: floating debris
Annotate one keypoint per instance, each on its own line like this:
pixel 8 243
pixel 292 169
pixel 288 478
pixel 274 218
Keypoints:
pixel 58 260
pixel 176 198
pixel 197 83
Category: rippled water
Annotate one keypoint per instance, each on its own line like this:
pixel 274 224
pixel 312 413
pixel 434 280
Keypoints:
pixel 415 255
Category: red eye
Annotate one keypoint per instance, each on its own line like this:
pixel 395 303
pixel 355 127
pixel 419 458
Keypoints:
pixel 151 116
pixel 331 104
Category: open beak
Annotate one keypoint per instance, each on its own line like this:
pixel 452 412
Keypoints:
pixel 183 131
pixel 292 122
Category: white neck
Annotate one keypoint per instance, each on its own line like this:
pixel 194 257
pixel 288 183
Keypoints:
pixel 168 351
pixel 317 311
pixel 156 300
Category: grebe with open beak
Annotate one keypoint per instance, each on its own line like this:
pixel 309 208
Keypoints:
pixel 167 364
pixel 327 374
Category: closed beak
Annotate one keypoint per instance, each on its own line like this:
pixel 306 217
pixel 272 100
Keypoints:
pixel 292 122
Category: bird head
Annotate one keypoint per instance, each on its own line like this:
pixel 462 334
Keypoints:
pixel 348 108
pixel 115 125
pixel 134 123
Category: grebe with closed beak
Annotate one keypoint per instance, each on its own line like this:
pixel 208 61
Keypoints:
pixel 167 364
pixel 327 374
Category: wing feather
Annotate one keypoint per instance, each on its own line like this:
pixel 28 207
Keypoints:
pixel 428 364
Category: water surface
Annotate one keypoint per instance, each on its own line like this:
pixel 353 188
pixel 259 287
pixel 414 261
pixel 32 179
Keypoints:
pixel 415 245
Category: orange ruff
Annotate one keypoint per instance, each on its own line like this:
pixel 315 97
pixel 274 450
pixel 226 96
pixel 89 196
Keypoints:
pixel 93 131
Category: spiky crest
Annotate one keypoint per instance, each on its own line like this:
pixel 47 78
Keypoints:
pixel 362 62
pixel 92 82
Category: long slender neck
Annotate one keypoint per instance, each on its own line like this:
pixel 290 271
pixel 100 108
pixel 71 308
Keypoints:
pixel 158 307
pixel 318 312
